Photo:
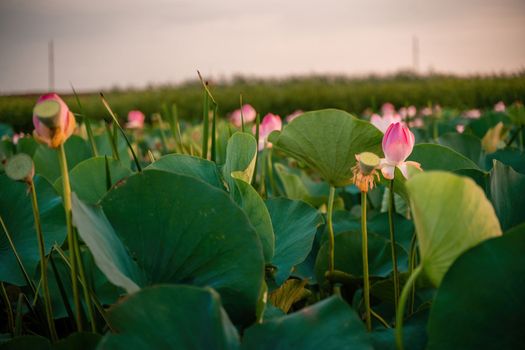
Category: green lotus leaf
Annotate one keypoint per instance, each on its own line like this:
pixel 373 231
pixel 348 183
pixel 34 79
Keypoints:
pixel 451 215
pixel 89 178
pixel 171 317
pixel 329 324
pixel 17 213
pixel 295 224
pixel 468 313
pixel 241 153
pixel 328 140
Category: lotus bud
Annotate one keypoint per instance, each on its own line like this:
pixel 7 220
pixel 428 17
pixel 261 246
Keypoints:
pixel 135 120
pixel 398 143
pixel 270 122
pixel 53 121
pixel 248 114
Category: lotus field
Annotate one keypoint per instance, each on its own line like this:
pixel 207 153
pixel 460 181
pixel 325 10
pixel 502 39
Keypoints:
pixel 400 228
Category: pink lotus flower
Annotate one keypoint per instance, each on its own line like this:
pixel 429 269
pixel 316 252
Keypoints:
pixel 269 123
pixel 473 114
pixel 17 137
pixel 398 143
pixel 416 123
pixel 248 114
pixel 135 120
pixel 53 121
pixel 294 115
pixel 460 128
pixel 388 108
pixel 426 111
pixel 499 107
pixel 382 123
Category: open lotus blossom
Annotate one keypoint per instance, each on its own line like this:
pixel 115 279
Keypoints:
pixel 53 121
pixel 248 114
pixel 294 115
pixel 409 112
pixel 269 123
pixel 499 107
pixel 382 123
pixel 398 143
pixel 135 120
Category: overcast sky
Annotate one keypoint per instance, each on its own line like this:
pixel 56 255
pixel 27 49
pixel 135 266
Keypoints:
pixel 131 43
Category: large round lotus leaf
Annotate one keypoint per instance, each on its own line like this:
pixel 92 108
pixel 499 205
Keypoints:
pixel 104 148
pixel 465 144
pixel 253 205
pixel 27 342
pixel 46 159
pixel 181 230
pixel 90 178
pixel 328 140
pixel 329 324
pixel 480 303
pixel 295 224
pixel 479 127
pixel 79 341
pixel 349 258
pixel 509 156
pixel 451 215
pixel 437 157
pixel 171 317
pixel 183 164
pixel 17 213
pixel 414 333
pixel 507 194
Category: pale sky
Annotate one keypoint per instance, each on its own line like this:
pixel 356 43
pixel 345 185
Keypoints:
pixel 132 43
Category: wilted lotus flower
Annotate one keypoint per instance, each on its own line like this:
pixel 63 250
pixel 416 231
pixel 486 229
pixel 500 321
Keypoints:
pixel 294 115
pixel 135 120
pixel 398 143
pixel 382 123
pixel 365 171
pixel 269 123
pixel 499 107
pixel 248 114
pixel 473 114
pixel 53 121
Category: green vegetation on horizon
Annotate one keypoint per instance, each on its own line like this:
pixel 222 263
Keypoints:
pixel 283 96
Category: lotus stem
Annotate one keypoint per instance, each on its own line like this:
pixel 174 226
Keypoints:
pixel 85 287
pixel 70 234
pixel 401 307
pixel 43 264
pixel 391 211
pixel 366 280
pixel 9 310
pixel 331 239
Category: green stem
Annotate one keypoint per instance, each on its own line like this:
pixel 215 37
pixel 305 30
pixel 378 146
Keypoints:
pixel 366 280
pixel 83 282
pixel 401 308
pixel 163 138
pixel 393 242
pixel 214 133
pixel 331 239
pixel 9 311
pixel 111 141
pixel 89 131
pixel 273 185
pixel 18 320
pixel 17 256
pixel 262 188
pixel 43 264
pixel 205 124
pixel 70 234
pixel 257 124
pixel 411 265
pixel 380 319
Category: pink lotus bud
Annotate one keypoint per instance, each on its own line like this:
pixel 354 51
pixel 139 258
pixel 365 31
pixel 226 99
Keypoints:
pixel 460 128
pixel 135 120
pixel 411 111
pixel 248 114
pixel 388 108
pixel 17 137
pixel 499 107
pixel 269 123
pixel 473 114
pixel 53 121
pixel 382 123
pixel 398 143
pixel 294 115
